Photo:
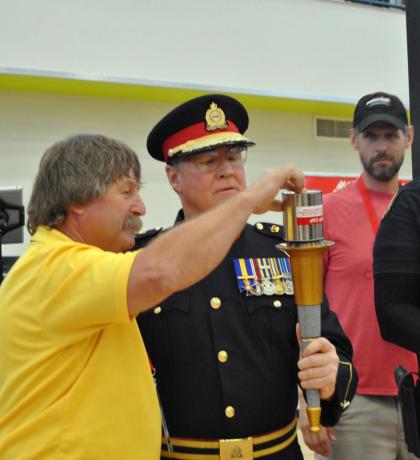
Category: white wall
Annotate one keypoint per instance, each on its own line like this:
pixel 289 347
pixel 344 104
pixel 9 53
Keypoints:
pixel 316 49
pixel 31 122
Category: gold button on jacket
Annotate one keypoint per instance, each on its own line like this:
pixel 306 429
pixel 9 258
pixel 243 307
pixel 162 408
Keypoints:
pixel 222 356
pixel 215 303
pixel 230 412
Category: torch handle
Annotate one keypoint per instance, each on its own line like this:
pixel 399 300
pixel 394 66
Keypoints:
pixel 310 328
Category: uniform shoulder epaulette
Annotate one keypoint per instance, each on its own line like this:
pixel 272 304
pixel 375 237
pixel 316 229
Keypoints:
pixel 144 237
pixel 267 228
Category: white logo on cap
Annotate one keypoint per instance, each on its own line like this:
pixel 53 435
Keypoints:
pixel 382 100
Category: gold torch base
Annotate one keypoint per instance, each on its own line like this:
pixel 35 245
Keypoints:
pixel 307 270
pixel 314 417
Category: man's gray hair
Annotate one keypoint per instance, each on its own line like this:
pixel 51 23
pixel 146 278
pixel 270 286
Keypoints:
pixel 75 171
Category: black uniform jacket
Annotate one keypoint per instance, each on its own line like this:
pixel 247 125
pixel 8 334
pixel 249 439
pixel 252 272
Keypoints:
pixel 214 347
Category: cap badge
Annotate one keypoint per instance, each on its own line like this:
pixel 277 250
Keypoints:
pixel 215 118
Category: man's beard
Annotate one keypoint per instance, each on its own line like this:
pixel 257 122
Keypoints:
pixel 383 172
pixel 133 223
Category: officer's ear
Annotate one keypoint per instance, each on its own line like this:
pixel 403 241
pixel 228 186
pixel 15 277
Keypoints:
pixel 173 174
pixel 353 139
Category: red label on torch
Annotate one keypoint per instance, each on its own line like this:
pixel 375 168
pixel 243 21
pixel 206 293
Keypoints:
pixel 309 215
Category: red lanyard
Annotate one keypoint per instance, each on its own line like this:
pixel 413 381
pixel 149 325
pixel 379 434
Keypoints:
pixel 374 221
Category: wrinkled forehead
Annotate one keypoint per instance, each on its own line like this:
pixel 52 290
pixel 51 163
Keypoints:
pixel 128 179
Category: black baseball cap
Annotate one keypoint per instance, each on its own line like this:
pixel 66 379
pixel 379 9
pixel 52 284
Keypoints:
pixel 379 107
pixel 200 124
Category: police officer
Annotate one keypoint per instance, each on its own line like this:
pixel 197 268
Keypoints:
pixel 225 350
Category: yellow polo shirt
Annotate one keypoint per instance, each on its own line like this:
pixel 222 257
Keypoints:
pixel 75 382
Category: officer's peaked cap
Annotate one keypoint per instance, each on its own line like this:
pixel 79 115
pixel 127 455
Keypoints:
pixel 198 125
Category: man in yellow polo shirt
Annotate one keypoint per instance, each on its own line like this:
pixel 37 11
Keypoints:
pixel 75 381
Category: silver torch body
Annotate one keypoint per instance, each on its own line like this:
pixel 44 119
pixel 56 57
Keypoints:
pixel 305 244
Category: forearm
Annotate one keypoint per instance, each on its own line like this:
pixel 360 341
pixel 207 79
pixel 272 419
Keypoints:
pixel 187 253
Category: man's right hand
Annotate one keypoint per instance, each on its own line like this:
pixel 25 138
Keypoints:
pixel 266 187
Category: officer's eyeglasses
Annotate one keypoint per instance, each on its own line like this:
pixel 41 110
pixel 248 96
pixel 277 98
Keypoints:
pixel 210 160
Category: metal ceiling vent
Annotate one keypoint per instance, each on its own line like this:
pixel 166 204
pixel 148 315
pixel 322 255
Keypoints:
pixel 332 128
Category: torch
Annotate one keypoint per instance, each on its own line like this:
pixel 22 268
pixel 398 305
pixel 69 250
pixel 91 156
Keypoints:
pixel 305 244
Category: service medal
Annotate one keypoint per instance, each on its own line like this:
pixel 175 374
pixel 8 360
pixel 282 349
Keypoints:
pixel 279 287
pixel 257 289
pixel 276 276
pixel 268 287
pixel 286 271
pixel 246 277
pixel 289 290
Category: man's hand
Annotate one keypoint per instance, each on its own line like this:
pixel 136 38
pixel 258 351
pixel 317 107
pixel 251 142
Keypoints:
pixel 266 187
pixel 318 442
pixel 318 366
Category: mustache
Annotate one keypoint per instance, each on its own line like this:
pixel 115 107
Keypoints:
pixel 380 157
pixel 133 223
